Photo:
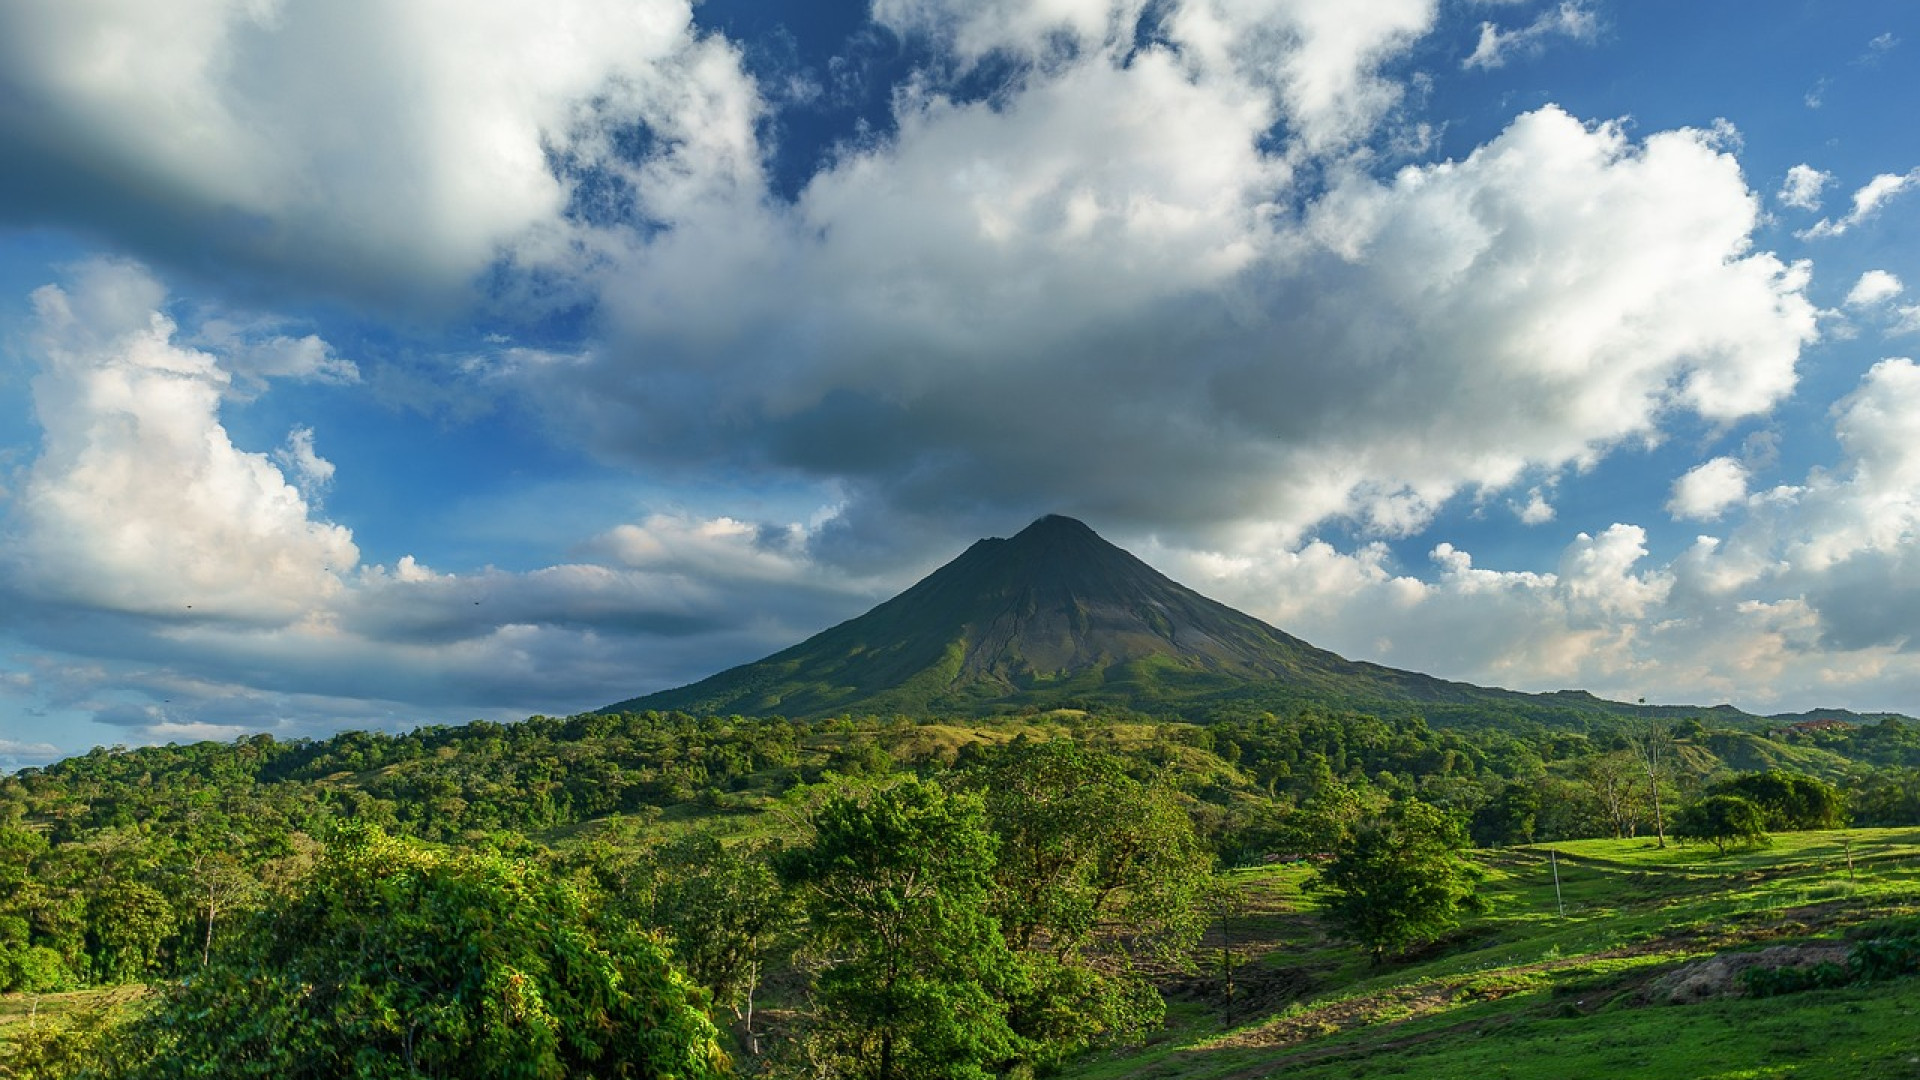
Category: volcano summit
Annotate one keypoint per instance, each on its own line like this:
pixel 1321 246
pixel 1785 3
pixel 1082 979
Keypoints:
pixel 1058 617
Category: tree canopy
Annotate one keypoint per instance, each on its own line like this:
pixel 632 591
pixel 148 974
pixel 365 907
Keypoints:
pixel 1397 879
pixel 394 960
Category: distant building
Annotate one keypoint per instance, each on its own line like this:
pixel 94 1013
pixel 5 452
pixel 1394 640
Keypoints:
pixel 1807 727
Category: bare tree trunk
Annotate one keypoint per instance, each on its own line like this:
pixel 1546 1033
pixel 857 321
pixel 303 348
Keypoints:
pixel 206 948
pixel 1647 744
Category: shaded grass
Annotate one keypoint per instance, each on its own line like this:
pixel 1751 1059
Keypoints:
pixel 19 1012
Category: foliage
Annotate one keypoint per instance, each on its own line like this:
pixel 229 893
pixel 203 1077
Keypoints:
pixel 1397 880
pixel 1095 872
pixel 1884 958
pixel 1764 982
pixel 1509 817
pixel 722 906
pixel 1788 802
pixel 1723 820
pixel 1886 797
pixel 1873 960
pixel 85 1045
pixel 396 961
pixel 895 883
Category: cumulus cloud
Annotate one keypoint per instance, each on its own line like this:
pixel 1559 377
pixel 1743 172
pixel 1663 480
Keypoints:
pixel 374 149
pixel 1874 287
pixel 255 351
pixel 1171 271
pixel 1809 596
pixel 1537 510
pixel 1708 490
pixel 1571 20
pixel 1867 201
pixel 311 472
pixel 139 500
pixel 206 592
pixel 1084 297
pixel 1802 187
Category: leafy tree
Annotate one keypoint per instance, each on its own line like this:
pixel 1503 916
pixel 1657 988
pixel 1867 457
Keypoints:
pixel 723 906
pixel 1610 777
pixel 395 961
pixel 1788 801
pixel 128 921
pixel 1397 880
pixel 1723 820
pixel 895 885
pixel 1509 817
pixel 1083 844
pixel 1886 797
pixel 1096 871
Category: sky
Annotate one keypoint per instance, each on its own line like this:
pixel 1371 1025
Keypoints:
pixel 370 363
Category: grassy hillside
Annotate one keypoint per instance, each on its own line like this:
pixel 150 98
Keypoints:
pixel 1603 992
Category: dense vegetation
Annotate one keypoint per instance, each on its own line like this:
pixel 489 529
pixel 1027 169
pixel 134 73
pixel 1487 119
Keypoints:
pixel 850 897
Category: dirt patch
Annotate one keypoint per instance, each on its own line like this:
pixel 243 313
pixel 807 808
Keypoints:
pixel 1719 976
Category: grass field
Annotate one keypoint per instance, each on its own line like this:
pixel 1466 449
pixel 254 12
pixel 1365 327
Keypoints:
pixel 1525 992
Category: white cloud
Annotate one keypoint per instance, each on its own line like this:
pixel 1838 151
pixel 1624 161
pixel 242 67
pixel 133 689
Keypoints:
pixel 915 330
pixel 206 594
pixel 311 472
pixel 257 350
pixel 1168 286
pixel 1572 20
pixel 1537 510
pixel 1708 490
pixel 139 501
pixel 1812 597
pixel 1866 202
pixel 1320 61
pixel 379 150
pixel 1802 187
pixel 1874 287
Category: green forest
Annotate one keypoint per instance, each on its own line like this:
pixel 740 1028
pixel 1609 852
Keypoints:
pixel 1046 893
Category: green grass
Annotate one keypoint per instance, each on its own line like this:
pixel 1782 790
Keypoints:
pixel 19 1012
pixel 1524 992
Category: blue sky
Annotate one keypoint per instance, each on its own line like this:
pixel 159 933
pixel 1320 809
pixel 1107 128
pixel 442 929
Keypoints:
pixel 376 364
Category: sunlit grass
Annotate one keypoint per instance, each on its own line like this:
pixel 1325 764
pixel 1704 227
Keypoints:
pixel 1525 991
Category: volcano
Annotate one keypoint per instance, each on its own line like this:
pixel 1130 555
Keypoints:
pixel 1057 617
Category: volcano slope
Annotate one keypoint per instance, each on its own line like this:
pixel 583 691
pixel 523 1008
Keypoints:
pixel 1058 617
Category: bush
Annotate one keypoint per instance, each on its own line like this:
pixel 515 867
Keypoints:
pixel 393 960
pixel 1724 820
pixel 1774 981
pixel 1884 958
pixel 37 969
pixel 1873 960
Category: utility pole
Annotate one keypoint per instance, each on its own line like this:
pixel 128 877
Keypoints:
pixel 1554 859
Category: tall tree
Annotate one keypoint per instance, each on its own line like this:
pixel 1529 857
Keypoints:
pixel 1723 820
pixel 1397 880
pixel 723 906
pixel 1096 872
pixel 1652 743
pixel 895 885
